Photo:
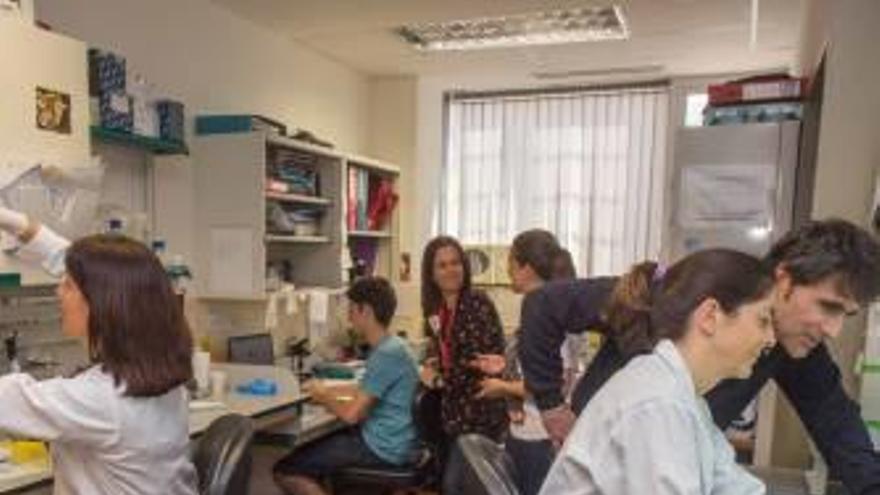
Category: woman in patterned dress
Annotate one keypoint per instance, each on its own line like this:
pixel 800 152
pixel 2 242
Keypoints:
pixel 461 323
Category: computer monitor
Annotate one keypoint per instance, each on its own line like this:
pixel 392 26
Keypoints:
pixel 251 349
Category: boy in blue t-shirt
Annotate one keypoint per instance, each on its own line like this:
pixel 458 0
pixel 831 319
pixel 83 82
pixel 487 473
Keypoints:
pixel 381 404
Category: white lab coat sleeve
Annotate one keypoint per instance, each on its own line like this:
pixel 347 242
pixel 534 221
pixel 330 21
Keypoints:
pixel 73 410
pixel 652 448
pixel 729 478
pixel 46 248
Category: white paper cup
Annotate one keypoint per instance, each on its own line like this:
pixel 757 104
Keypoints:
pixel 218 384
pixel 202 369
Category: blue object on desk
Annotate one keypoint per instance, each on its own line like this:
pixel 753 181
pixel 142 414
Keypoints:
pixel 258 386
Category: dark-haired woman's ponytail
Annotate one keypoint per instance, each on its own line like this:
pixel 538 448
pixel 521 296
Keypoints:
pixel 563 266
pixel 628 314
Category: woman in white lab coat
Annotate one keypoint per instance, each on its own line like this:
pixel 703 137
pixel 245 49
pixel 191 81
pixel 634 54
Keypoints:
pixel 648 429
pixel 120 426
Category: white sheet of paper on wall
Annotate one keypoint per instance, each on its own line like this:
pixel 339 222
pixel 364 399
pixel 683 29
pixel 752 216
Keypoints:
pixel 272 312
pixel 232 261
pixel 319 313
pixel 727 196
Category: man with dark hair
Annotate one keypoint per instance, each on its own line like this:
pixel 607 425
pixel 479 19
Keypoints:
pixel 824 272
pixel 381 404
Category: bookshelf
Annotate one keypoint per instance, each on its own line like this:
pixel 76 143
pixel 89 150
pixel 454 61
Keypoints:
pixel 250 226
pixel 372 215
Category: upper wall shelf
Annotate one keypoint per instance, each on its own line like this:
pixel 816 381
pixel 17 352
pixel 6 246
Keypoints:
pixel 298 198
pixel 372 164
pixel 290 143
pixel 374 234
pixel 149 144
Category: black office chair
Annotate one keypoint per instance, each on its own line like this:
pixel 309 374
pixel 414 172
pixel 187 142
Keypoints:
pixel 487 470
pixel 223 456
pixel 420 474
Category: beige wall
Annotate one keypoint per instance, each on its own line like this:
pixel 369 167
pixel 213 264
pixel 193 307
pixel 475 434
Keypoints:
pixel 391 136
pixel 849 148
pixel 216 62
pixel 815 31
pixel 31 57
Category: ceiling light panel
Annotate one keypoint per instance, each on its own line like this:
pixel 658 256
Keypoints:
pixel 541 28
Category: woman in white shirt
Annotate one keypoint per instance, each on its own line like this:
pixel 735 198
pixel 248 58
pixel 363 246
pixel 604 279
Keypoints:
pixel 648 429
pixel 119 427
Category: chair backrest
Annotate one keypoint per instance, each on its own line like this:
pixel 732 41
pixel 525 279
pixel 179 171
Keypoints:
pixel 427 416
pixel 222 457
pixel 488 470
pixel 251 349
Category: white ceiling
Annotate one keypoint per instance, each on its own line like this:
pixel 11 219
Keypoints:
pixel 668 37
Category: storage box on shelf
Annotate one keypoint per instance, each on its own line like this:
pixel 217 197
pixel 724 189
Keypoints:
pixel 126 112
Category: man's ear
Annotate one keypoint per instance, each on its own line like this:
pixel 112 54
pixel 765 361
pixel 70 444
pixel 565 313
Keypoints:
pixel 783 281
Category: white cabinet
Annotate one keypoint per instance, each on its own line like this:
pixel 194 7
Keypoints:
pixel 238 247
pixel 32 58
pixel 378 243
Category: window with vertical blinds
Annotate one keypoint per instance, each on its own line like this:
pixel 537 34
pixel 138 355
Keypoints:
pixel 588 165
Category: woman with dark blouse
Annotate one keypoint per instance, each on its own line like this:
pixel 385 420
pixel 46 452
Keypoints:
pixel 461 323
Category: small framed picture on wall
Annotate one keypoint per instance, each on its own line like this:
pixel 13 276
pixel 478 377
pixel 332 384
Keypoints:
pixel 53 110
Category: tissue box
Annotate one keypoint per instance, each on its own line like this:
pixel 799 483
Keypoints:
pixel 106 72
pixel 146 119
pixel 170 120
pixel 145 115
pixel 116 111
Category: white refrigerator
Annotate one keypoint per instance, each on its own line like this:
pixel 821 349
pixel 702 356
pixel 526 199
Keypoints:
pixel 733 186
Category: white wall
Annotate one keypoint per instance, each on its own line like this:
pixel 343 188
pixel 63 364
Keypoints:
pixel 392 137
pixel 216 62
pixel 849 148
pixel 31 57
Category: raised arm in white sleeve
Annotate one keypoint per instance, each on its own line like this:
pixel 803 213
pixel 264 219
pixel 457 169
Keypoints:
pixel 38 244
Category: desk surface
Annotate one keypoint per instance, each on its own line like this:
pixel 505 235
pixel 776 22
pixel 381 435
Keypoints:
pixel 266 410
pixel 257 407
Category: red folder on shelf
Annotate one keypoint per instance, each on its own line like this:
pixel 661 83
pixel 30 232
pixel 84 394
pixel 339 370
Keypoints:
pixel 383 199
